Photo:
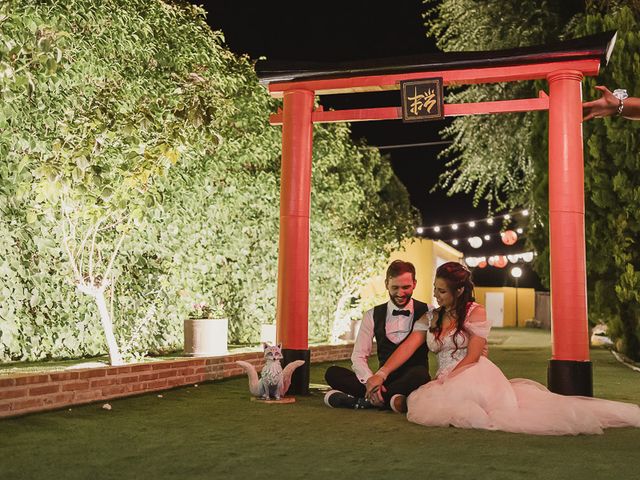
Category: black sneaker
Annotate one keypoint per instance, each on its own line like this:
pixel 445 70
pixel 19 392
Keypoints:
pixel 338 399
pixel 363 403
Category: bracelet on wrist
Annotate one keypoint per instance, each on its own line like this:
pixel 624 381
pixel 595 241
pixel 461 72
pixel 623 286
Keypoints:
pixel 621 94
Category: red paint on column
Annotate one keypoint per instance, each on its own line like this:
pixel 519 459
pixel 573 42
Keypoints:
pixel 566 218
pixel 292 315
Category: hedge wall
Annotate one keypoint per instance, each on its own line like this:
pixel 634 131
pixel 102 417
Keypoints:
pixel 133 115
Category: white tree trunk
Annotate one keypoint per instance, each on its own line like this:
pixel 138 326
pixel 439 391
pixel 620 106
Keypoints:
pixel 341 322
pixel 107 326
pixel 87 281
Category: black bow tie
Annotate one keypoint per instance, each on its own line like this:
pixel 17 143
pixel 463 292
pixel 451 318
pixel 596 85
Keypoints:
pixel 406 313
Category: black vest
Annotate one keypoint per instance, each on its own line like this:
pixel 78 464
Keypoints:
pixel 386 347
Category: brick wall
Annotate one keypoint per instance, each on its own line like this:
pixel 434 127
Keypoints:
pixel 20 394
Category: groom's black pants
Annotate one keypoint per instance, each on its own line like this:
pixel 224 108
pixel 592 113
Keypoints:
pixel 403 381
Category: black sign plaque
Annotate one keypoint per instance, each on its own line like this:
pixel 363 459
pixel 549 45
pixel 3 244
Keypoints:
pixel 422 100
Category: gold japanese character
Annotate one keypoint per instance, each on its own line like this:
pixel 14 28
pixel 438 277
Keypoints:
pixel 424 101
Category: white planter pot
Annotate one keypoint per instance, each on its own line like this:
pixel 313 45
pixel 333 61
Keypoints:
pixel 205 337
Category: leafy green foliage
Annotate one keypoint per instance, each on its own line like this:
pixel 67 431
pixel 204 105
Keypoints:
pixel 133 113
pixel 489 152
pixel 613 194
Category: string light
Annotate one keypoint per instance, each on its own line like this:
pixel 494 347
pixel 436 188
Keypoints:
pixel 489 220
pixel 474 240
pixel 513 258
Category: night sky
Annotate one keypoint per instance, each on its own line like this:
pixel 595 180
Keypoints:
pixel 358 30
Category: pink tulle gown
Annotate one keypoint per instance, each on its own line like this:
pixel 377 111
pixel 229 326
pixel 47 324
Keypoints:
pixel 480 396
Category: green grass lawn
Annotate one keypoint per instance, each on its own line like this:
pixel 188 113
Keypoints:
pixel 214 431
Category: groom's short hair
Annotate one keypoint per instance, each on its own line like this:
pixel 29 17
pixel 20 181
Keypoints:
pixel 398 267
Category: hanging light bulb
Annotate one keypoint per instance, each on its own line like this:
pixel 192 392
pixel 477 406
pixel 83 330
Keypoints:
pixel 419 230
pixel 436 229
pixel 519 231
pixel 454 227
pixel 454 241
pixel 487 237
pixel 472 224
pixel 507 217
pixel 490 221
pixel 525 212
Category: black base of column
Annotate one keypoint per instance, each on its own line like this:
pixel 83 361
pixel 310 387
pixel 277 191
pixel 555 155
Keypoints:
pixel 570 377
pixel 300 378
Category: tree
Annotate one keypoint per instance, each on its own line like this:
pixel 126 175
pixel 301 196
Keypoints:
pixel 612 192
pixel 489 154
pixel 611 157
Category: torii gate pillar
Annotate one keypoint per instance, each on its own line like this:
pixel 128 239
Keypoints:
pixel 569 370
pixel 292 312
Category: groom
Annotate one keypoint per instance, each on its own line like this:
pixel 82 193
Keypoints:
pixel 389 323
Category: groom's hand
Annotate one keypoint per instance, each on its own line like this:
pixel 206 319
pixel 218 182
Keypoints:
pixel 375 388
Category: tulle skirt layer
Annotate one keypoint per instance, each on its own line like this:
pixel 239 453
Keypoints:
pixel 480 396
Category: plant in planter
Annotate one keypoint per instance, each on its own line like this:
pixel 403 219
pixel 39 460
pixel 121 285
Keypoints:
pixel 206 330
pixel 202 310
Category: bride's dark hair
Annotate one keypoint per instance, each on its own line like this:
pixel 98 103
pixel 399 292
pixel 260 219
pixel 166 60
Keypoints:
pixel 456 276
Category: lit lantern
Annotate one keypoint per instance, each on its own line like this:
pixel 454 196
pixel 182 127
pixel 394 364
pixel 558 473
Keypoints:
pixel 509 237
pixel 500 261
pixel 475 242
pixel 527 256
pixel 482 264
pixel 513 258
pixel 491 260
pixel 471 261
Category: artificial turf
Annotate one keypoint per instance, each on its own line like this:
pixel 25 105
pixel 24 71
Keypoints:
pixel 215 431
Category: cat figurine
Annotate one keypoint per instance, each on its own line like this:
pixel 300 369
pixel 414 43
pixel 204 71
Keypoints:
pixel 274 380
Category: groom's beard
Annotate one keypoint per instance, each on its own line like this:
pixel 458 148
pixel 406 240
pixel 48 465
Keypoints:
pixel 400 300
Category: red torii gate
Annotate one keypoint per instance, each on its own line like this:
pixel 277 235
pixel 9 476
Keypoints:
pixel 563 65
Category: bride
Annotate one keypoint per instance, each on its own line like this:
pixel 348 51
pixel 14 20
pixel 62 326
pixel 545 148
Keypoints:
pixel 472 392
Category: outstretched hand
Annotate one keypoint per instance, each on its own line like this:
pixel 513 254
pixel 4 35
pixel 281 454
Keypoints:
pixel 605 106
